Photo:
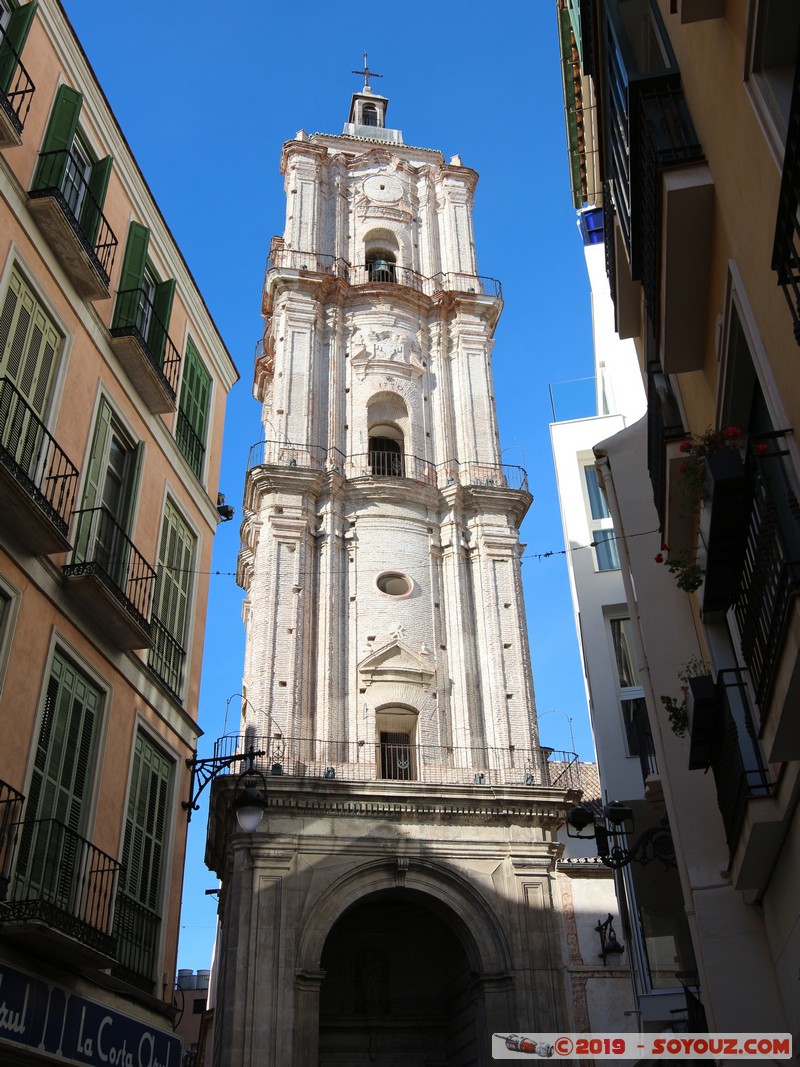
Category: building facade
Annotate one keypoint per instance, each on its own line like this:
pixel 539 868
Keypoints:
pixel 667 102
pixel 401 901
pixel 113 382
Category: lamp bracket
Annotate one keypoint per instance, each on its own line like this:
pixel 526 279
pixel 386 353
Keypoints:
pixel 206 770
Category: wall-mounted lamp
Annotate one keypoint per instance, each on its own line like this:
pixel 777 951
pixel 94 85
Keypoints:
pixel 225 511
pixel 609 946
pixel 250 795
pixel 617 821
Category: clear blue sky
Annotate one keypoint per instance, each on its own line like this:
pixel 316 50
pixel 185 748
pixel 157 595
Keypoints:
pixel 206 95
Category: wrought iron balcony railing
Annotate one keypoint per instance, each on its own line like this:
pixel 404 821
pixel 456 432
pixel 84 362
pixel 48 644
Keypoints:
pixel 65 882
pixel 382 464
pixel 11 801
pixel 771 572
pixel 167 657
pixel 786 247
pixel 365 761
pixel 103 549
pixel 192 446
pixel 59 175
pixel 735 759
pixel 16 87
pixel 34 458
pixel 663 425
pixel 136 932
pixel 643 740
pixel 383 272
pixel 136 316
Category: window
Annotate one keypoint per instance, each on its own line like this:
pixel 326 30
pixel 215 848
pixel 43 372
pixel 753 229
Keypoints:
pixel 176 554
pixel 396 728
pixel 138 911
pixel 108 497
pixel 67 165
pixel 9 604
pixel 14 27
pixel 386 457
pixel 144 302
pixel 29 343
pixel 601 528
pixel 369 115
pixel 631 693
pixel 775 30
pixel 191 426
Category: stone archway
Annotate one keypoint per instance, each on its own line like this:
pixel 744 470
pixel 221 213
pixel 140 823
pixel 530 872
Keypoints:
pixel 399 987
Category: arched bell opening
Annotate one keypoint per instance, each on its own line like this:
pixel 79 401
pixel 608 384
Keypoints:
pixel 386 417
pixel 399 986
pixel 380 256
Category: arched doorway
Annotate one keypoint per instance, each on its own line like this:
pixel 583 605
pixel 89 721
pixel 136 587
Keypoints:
pixel 398 987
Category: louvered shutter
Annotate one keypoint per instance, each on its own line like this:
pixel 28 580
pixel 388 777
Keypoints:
pixel 195 392
pixel 146 823
pixel 60 134
pixel 13 41
pixel 29 343
pixel 93 205
pixel 131 275
pixel 175 557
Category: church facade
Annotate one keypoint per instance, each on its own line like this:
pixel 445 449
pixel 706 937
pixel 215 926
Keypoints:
pixel 401 901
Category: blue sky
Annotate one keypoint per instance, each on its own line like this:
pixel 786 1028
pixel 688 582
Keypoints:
pixel 207 95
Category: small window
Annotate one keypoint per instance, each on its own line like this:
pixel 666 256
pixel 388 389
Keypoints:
pixel 9 605
pixel 192 422
pixel 369 115
pixel 776 27
pixel 630 692
pixel 393 583
pixel 601 528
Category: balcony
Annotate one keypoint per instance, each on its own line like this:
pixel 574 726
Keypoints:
pixel 136 932
pixel 37 478
pixel 786 247
pixel 11 801
pixel 73 223
pixel 766 605
pixel 360 761
pixel 111 579
pixel 380 464
pixel 723 535
pixel 16 94
pixel 166 658
pixel 61 898
pixel 192 446
pixel 144 348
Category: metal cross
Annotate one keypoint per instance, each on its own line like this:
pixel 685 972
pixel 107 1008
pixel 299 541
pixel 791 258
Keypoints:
pixel 367 73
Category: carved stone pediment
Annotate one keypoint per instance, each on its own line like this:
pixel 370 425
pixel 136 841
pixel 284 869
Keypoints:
pixel 398 664
pixel 385 351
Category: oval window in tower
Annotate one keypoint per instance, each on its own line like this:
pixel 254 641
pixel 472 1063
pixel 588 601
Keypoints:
pixel 394 583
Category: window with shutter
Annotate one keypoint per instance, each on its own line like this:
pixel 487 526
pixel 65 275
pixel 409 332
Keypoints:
pixel 192 421
pixel 29 343
pixel 175 562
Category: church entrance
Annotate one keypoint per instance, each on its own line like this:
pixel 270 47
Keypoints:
pixel 398 990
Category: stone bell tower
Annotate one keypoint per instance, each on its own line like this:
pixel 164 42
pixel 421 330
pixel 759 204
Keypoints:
pixel 398 899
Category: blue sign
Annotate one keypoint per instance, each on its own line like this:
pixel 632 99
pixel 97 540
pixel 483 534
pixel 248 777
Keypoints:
pixel 72 1029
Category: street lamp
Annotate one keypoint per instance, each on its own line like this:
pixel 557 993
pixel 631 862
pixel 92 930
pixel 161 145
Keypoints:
pixel 654 844
pixel 609 946
pixel 250 794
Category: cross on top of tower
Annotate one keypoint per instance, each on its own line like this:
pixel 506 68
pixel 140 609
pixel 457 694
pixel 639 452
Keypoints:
pixel 367 73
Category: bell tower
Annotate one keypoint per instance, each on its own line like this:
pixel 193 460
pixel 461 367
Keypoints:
pixel 387 673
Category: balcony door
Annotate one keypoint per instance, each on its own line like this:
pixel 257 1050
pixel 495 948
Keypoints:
pixel 60 787
pixel 108 497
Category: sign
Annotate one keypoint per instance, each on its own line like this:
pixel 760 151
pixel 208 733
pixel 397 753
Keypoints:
pixel 75 1030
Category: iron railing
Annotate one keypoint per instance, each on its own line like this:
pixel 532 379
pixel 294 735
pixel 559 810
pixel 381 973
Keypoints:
pixel 167 657
pixel 63 880
pixel 387 465
pixel 136 316
pixel 663 425
pixel 771 572
pixel 192 446
pixel 60 175
pixel 643 740
pixel 34 458
pixel 102 548
pixel 786 247
pixel 16 87
pixel 11 801
pixel 383 272
pixel 735 759
pixel 364 761
pixel 136 931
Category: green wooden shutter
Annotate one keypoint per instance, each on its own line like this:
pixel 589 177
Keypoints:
pixel 29 343
pixel 13 42
pixel 159 324
pixel 146 824
pixel 60 134
pixel 131 276
pixel 175 558
pixel 93 205
pixel 195 392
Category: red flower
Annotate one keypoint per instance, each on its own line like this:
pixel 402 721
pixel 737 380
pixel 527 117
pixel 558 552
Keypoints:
pixel 761 448
pixel 731 432
pixel 683 467
pixel 686 446
pixel 664 546
pixel 660 557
